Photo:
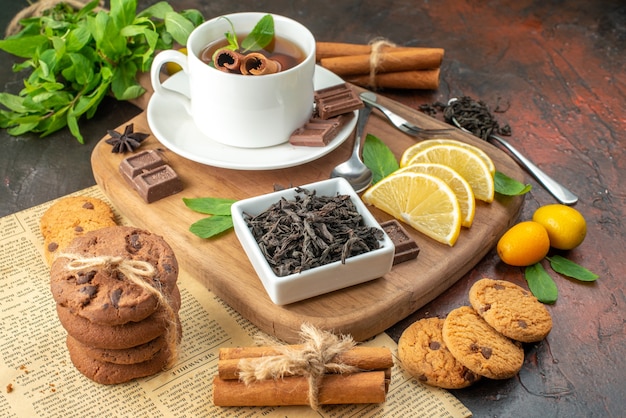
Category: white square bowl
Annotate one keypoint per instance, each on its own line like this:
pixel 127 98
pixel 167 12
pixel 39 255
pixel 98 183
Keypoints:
pixel 318 280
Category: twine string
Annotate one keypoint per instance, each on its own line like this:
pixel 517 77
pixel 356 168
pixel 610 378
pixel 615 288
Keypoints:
pixel 313 360
pixel 377 45
pixel 136 271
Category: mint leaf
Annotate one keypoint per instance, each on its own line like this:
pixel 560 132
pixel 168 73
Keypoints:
pixel 378 157
pixel 510 187
pixel 261 36
pixel 570 269
pixel 82 56
pixel 210 205
pixel 178 27
pixel 541 284
pixel 211 226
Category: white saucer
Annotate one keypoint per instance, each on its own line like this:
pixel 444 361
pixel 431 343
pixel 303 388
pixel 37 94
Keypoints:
pixel 175 129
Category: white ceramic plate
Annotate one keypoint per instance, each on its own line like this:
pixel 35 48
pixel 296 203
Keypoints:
pixel 175 129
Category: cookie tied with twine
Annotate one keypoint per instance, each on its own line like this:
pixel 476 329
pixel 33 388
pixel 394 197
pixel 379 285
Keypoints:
pixel 139 273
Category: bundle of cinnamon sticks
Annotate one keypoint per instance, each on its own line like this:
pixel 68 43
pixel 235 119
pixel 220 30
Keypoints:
pixel 368 382
pixel 382 65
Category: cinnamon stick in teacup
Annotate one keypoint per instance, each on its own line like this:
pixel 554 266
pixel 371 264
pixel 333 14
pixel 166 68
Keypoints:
pixel 255 63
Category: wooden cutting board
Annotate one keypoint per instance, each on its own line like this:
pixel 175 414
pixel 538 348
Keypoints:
pixel 222 266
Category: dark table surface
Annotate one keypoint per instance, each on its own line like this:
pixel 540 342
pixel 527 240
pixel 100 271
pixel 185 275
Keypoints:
pixel 559 68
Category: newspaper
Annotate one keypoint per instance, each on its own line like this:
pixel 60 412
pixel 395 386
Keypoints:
pixel 37 377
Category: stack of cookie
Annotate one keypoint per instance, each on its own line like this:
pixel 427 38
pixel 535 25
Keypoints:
pixel 117 297
pixel 71 217
pixel 484 340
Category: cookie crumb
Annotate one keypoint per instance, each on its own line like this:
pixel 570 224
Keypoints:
pixel 10 388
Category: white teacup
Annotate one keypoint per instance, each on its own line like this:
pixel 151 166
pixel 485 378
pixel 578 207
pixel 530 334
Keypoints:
pixel 243 110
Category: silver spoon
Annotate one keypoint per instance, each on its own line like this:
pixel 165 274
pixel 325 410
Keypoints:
pixel 561 194
pixel 399 122
pixel 354 170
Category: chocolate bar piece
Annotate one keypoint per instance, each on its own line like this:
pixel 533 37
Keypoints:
pixel 136 164
pixel 406 247
pixel 157 183
pixel 150 176
pixel 336 100
pixel 318 132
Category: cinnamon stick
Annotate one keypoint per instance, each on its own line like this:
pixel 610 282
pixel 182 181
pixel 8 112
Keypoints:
pixel 364 358
pixel 339 49
pixel 356 388
pixel 387 61
pixel 421 79
pixel 255 63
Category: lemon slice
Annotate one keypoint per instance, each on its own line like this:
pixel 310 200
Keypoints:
pixel 457 183
pixel 410 152
pixel 423 201
pixel 465 162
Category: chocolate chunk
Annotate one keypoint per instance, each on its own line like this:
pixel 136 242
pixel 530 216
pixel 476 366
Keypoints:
pixel 89 290
pixel 134 243
pixel 141 162
pixel 115 296
pixel 469 375
pixel 485 307
pixel 85 277
pixel 158 183
pixel 434 345
pixel 405 247
pixel 78 229
pixel 486 352
pixel 148 174
pixel 312 135
pixel 522 324
pixel 88 205
pixel 53 246
pixel 498 286
pixel 319 132
pixel 336 100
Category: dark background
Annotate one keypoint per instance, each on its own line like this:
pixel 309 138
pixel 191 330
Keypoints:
pixel 558 67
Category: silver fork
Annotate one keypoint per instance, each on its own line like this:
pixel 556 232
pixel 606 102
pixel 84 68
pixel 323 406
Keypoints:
pixel 398 121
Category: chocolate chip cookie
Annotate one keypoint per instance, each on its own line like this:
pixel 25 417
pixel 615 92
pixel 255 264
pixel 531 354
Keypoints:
pixel 424 354
pixel 70 217
pixel 479 347
pixel 511 310
pixel 99 289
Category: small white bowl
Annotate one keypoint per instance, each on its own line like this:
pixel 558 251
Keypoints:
pixel 317 280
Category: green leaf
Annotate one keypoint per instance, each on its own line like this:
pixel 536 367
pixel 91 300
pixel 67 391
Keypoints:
pixel 25 47
pixel 570 269
pixel 194 16
pixel 123 12
pixel 124 84
pixel 78 38
pixel 261 35
pixel 72 123
pixel 541 284
pixel 12 102
pixel 157 10
pixel 210 205
pixel 211 226
pixel 510 187
pixel 379 158
pixel 178 27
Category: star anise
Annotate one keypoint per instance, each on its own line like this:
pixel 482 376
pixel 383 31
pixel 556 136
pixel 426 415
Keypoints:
pixel 129 141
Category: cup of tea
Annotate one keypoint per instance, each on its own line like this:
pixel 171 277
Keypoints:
pixel 248 111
